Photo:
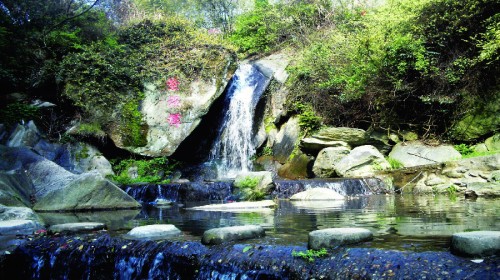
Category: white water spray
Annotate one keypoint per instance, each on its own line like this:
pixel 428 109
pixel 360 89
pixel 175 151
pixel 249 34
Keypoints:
pixel 235 146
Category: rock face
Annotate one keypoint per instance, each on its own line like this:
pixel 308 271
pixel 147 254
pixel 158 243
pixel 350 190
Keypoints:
pixel 361 161
pixel 24 135
pixel 352 136
pixel 15 189
pixel 333 237
pixel 417 153
pixel 154 232
pixel 324 165
pixel 286 139
pixel 222 235
pixel 317 194
pixel 77 227
pixel 476 243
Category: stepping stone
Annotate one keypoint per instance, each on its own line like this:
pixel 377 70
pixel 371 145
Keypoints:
pixel 77 227
pixel 238 206
pixel 226 234
pixel 317 194
pixel 476 243
pixel 154 232
pixel 333 237
pixel 18 227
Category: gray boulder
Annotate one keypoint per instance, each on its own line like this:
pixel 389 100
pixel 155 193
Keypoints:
pixel 24 135
pixel 314 145
pixel 483 189
pixel 476 243
pixel 226 234
pixel 18 227
pixel 77 227
pixel 333 237
pixel 17 213
pixel 324 165
pixel 416 153
pixel 89 191
pixel 362 161
pixel 86 158
pixel 317 194
pixel 493 143
pixel 154 232
pixel 352 136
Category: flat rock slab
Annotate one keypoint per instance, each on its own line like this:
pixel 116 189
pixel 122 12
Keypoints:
pixel 227 234
pixel 18 227
pixel 333 237
pixel 476 243
pixel 154 232
pixel 317 194
pixel 77 227
pixel 237 206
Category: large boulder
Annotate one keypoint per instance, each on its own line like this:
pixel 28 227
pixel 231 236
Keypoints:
pixel 88 191
pixel 352 136
pixel 226 234
pixel 56 189
pixel 324 165
pixel 416 153
pixel 86 158
pixel 185 110
pixel 476 243
pixel 362 161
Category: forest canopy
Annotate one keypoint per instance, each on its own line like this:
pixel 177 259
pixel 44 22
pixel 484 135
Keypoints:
pixel 395 64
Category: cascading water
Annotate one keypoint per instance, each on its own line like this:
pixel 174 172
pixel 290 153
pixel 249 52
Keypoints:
pixel 234 145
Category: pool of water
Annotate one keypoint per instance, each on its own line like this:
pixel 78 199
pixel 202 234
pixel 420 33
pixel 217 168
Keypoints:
pixel 416 223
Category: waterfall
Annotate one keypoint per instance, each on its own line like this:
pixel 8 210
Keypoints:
pixel 234 145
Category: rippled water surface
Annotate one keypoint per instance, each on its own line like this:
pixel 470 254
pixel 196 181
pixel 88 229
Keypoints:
pixel 399 222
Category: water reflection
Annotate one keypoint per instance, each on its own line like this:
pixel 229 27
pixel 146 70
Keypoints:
pixel 398 222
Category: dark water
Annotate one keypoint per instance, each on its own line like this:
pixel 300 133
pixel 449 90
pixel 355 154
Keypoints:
pixel 413 223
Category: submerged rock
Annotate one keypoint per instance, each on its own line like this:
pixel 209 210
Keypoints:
pixel 476 243
pixel 237 206
pixel 77 227
pixel 333 237
pixel 154 232
pixel 227 234
pixel 317 194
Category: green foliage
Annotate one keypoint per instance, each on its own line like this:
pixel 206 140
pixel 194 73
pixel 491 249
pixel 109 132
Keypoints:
pixel 154 170
pixel 395 164
pixel 90 129
pixel 309 255
pixel 464 149
pixel 266 151
pixel 15 112
pixel 308 120
pixel 249 182
pixel 247 189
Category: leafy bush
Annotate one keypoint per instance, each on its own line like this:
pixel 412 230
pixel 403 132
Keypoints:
pixel 15 112
pixel 247 189
pixel 464 149
pixel 154 170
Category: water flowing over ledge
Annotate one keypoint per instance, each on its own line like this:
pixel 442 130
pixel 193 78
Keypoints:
pixel 103 257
